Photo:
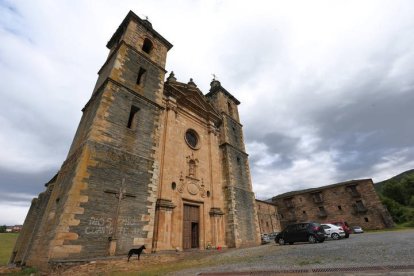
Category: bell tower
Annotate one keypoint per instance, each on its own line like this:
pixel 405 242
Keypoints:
pixel 102 201
pixel 242 223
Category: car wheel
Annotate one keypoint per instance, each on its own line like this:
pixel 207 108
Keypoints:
pixel 281 241
pixel 311 239
pixel 335 236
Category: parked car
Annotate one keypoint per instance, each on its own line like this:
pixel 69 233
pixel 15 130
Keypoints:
pixel 265 238
pixel 273 235
pixel 344 226
pixel 357 229
pixel 301 232
pixel 333 231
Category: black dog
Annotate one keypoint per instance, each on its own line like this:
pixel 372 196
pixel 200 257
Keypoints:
pixel 137 251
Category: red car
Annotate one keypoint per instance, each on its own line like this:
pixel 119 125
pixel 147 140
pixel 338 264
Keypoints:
pixel 344 226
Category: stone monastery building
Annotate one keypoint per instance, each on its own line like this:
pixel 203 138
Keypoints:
pixel 153 162
pixel 354 201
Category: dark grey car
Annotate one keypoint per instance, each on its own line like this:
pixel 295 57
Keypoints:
pixel 311 232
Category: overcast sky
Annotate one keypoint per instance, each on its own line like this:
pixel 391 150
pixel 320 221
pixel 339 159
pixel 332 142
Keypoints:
pixel 326 87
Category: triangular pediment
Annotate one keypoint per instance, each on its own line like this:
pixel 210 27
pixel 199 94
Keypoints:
pixel 189 96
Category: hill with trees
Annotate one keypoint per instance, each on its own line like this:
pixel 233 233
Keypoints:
pixel 397 193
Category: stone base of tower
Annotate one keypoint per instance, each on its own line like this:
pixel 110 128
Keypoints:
pixel 242 225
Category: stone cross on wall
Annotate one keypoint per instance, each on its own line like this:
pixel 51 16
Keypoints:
pixel 120 195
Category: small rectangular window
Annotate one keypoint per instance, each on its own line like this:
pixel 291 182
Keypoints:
pixel 132 117
pixel 141 75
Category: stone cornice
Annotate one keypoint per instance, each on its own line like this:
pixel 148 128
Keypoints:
pixel 108 79
pixel 122 42
pixel 199 105
pixel 220 88
pixel 237 149
pixel 165 204
pixel 214 211
pixel 231 118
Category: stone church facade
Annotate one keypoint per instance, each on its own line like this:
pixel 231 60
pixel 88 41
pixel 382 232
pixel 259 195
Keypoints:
pixel 153 162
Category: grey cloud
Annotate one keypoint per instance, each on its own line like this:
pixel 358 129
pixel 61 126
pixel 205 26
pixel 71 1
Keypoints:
pixel 281 144
pixel 277 144
pixel 247 57
pixel 16 185
pixel 373 126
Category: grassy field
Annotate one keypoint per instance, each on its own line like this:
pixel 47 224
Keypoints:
pixel 397 227
pixel 7 241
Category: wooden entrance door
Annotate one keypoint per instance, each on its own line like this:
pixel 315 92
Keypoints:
pixel 191 227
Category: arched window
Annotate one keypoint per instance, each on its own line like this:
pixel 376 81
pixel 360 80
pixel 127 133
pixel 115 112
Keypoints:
pixel 147 46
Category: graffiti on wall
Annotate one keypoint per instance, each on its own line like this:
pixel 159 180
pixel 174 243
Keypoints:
pixel 98 225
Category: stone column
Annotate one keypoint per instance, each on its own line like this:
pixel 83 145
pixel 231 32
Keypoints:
pixel 216 216
pixel 162 234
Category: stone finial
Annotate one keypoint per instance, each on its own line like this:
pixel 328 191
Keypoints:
pixel 214 82
pixel 171 77
pixel 191 83
pixel 147 22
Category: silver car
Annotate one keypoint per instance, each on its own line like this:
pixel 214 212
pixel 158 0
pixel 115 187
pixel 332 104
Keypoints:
pixel 333 231
pixel 357 229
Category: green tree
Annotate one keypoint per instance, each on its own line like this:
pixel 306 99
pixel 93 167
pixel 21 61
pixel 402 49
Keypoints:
pixel 412 201
pixel 395 209
pixel 3 229
pixel 395 191
pixel 397 194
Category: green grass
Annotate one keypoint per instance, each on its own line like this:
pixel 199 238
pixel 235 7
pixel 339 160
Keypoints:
pixel 7 241
pixel 397 227
pixel 25 271
pixel 309 262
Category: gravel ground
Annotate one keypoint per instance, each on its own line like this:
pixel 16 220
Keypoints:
pixel 362 250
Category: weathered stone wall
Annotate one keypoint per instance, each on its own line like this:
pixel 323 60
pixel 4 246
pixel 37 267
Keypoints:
pixel 129 61
pixel 246 211
pixel 338 203
pixel 222 103
pixel 242 228
pixel 110 126
pixel 268 217
pixel 233 133
pixel 110 171
pixel 25 236
pixel 106 68
pixel 117 153
pixel 135 35
pixel 53 213
pixel 85 125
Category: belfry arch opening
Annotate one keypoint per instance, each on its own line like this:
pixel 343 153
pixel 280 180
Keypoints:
pixel 147 46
